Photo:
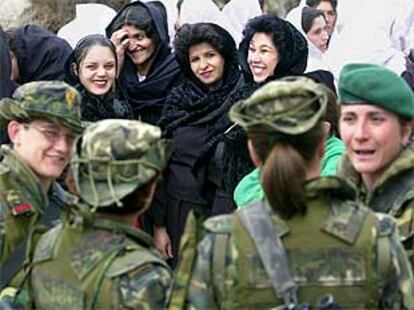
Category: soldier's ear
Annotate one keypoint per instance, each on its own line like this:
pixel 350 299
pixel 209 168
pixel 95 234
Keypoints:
pixel 253 155
pixel 14 129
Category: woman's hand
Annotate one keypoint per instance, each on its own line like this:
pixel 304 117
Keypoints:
pixel 121 42
pixel 162 242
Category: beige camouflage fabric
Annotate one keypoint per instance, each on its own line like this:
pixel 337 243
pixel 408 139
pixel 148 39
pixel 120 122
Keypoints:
pixel 114 157
pixel 43 99
pixel 290 106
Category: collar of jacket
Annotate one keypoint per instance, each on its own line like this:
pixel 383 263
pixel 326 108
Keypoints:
pixel 25 177
pixel 403 162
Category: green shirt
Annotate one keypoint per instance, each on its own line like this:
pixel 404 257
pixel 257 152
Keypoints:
pixel 249 189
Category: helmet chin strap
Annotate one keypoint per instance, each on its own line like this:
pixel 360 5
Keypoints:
pixel 111 186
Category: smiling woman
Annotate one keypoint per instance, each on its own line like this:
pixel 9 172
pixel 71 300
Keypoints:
pixel 147 69
pixel 195 117
pixel 91 68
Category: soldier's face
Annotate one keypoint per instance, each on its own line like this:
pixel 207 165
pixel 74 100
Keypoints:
pixel 373 138
pixel 97 70
pixel 44 146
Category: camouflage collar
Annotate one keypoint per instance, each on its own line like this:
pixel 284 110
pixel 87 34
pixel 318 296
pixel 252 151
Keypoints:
pixel 403 162
pixel 25 177
pixel 330 185
pixel 137 235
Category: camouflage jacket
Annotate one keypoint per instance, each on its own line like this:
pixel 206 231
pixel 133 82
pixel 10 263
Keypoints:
pixel 392 194
pixel 338 247
pixel 103 265
pixel 22 201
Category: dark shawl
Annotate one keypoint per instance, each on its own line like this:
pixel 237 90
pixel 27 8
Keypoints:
pixel 147 97
pixel 6 85
pixel 95 108
pixel 40 54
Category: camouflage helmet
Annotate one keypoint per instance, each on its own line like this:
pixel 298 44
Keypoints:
pixel 43 99
pixel 113 157
pixel 268 109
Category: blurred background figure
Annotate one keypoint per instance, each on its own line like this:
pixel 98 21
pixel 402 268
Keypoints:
pixel 37 54
pixel 91 18
pixel 232 15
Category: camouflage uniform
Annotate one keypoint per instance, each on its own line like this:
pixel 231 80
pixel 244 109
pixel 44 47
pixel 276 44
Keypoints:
pixel 23 200
pixel 338 247
pixel 89 262
pixel 393 194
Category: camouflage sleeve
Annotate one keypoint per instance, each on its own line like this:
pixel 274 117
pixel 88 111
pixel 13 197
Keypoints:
pixel 201 295
pixel 394 266
pixel 147 288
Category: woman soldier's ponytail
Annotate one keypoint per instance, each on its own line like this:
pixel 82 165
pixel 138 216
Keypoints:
pixel 284 170
pixel 283 120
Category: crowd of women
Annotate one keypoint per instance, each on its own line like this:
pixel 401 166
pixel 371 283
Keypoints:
pixel 132 73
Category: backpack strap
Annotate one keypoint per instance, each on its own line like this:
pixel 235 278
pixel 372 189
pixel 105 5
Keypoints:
pixel 262 230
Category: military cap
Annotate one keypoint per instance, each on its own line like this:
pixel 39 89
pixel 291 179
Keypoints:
pixel 269 109
pixel 43 99
pixel 376 85
pixel 113 157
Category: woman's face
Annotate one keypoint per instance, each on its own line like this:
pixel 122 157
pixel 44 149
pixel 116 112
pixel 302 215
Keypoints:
pixel 206 63
pixel 318 34
pixel 262 57
pixel 97 70
pixel 140 48
pixel 373 138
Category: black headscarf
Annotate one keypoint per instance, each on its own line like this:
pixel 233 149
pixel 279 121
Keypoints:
pixel 40 54
pixel 290 43
pixel 6 85
pixel 95 108
pixel 192 102
pixel 147 97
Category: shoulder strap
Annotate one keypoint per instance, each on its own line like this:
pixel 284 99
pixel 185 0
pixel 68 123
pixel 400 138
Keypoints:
pixel 15 261
pixel 271 251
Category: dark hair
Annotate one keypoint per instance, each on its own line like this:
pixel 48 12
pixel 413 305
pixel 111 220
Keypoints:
pixel 81 50
pixel 291 45
pixel 285 159
pixel 315 3
pixel 190 35
pixel 309 14
pixel 133 202
pixel 137 16
pixel 84 44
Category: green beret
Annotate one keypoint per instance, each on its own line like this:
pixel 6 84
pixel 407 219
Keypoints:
pixel 376 85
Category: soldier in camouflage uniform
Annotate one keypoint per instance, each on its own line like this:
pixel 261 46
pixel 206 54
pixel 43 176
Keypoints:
pixel 377 112
pixel 42 120
pixel 96 259
pixel 310 244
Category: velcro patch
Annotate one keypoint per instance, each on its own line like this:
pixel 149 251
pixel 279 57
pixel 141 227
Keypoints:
pixel 21 209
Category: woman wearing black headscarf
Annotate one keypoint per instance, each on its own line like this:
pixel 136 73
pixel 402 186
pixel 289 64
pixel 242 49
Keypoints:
pixel 91 69
pixel 271 48
pixel 195 117
pixel 148 70
pixel 39 54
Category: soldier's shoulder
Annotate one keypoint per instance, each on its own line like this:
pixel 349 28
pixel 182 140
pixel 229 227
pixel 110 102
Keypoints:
pixel 220 224
pixel 346 219
pixel 137 261
pixel 143 280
